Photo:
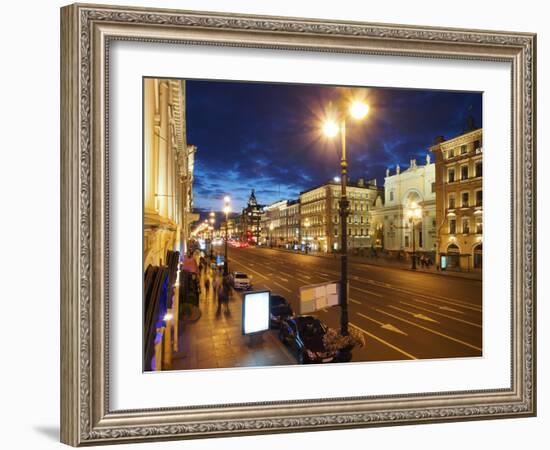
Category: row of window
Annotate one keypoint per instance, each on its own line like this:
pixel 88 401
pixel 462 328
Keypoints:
pixel 465 200
pixel 465 222
pixel 465 172
pixel 463 149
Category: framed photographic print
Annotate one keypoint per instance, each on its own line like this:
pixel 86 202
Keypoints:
pixel 277 225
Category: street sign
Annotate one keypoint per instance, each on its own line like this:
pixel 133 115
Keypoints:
pixel 255 312
pixel 314 297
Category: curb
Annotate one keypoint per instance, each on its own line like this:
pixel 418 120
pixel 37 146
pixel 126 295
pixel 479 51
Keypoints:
pixel 367 263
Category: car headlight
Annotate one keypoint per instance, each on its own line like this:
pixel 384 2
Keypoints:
pixel 311 354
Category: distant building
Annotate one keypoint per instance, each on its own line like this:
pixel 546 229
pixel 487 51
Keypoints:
pixel 391 227
pixel 280 224
pixel 320 219
pixel 250 220
pixel 459 205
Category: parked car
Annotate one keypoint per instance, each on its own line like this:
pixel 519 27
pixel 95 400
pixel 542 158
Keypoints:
pixel 304 334
pixel 241 280
pixel 279 310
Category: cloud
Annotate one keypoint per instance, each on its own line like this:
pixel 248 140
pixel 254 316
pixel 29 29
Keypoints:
pixel 266 136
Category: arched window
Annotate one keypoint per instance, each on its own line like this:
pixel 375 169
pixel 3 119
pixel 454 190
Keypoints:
pixel 478 256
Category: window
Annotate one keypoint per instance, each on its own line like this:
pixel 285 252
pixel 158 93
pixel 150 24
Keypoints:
pixel 361 221
pixel 451 153
pixel 479 226
pixel 452 226
pixel 465 225
pixel 479 198
pixel 406 241
pixel 451 201
pixel 464 173
pixel 463 149
pixel 479 169
pixel 433 187
pixel 361 232
pixel 465 199
pixel 336 232
pixel 477 145
pixel 451 175
pixel 433 223
pixel 391 196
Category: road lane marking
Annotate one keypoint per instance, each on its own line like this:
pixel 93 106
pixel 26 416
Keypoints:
pixel 416 315
pixel 446 308
pixel 397 349
pixel 281 286
pixel 445 301
pixel 283 279
pixel 386 326
pixel 444 315
pixel 354 301
pixel 440 298
pixel 366 292
pixel 429 330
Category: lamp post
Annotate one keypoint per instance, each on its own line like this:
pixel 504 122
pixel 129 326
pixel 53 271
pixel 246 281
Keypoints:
pixel 414 213
pixel 358 110
pixel 226 210
pixel 306 225
pixel 212 220
pixel 271 235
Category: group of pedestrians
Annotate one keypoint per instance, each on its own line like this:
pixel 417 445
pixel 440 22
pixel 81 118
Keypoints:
pixel 213 279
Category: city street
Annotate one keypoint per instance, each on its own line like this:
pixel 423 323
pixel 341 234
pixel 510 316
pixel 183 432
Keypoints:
pixel 403 314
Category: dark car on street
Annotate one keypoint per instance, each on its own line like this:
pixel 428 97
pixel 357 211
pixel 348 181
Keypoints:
pixel 279 310
pixel 304 335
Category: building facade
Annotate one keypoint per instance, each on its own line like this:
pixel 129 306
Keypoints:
pixel 391 223
pixel 459 205
pixel 251 229
pixel 280 224
pixel 168 171
pixel 320 219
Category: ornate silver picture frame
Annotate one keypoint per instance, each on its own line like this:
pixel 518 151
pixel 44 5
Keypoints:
pixel 87 33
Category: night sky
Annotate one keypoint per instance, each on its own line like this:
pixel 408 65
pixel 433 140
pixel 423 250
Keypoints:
pixel 268 137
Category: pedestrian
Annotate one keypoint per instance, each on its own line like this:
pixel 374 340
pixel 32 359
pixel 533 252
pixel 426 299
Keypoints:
pixel 226 292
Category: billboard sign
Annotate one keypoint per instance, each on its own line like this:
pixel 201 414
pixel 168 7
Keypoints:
pixel 255 312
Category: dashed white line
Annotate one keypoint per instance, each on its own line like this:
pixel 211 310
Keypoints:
pixel 443 315
pixel 397 349
pixel 428 329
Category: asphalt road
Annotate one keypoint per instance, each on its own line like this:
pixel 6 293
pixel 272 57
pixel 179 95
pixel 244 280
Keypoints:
pixel 403 314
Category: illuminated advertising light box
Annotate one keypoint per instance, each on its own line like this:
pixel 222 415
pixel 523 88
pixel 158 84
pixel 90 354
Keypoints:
pixel 255 312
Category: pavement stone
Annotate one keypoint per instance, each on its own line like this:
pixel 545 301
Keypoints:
pixel 216 341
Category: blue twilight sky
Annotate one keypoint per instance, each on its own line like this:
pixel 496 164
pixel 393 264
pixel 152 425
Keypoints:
pixel 267 136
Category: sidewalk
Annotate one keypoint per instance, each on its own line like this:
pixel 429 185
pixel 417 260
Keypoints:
pixel 391 263
pixel 216 340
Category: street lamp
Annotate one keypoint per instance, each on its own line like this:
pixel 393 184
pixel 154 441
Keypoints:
pixel 212 220
pixel 226 210
pixel 414 214
pixel 306 225
pixel 271 234
pixel 358 110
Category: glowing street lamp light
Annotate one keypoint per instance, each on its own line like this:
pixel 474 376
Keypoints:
pixel 414 215
pixel 212 219
pixel 357 110
pixel 330 128
pixel 226 210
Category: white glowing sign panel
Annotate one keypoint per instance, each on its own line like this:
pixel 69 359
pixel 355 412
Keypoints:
pixel 255 312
